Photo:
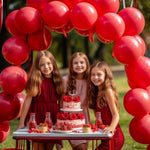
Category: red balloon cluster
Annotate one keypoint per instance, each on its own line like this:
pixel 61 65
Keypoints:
pixel 32 25
pixel 12 81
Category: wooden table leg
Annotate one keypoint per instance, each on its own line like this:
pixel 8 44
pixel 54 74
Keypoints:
pixel 92 144
pixel 28 144
pixel 16 144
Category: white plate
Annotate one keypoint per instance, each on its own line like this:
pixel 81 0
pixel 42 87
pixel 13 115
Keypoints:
pixel 62 131
pixel 67 110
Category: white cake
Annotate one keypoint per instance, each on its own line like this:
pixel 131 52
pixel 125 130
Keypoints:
pixel 70 103
pixel 71 115
pixel 72 120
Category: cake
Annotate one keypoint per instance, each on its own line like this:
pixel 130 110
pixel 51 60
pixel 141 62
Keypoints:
pixel 71 116
pixel 71 103
pixel 86 128
pixel 43 127
pixel 71 120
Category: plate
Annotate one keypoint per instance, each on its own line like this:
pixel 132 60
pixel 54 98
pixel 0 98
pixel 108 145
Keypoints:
pixel 67 110
pixel 62 131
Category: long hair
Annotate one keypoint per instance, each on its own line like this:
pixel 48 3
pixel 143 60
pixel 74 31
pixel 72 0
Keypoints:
pixel 35 76
pixel 97 98
pixel 71 85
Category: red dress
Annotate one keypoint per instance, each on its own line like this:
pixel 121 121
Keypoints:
pixel 45 102
pixel 118 137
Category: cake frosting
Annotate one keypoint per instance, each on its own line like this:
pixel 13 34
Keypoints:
pixel 71 103
pixel 43 127
pixel 72 120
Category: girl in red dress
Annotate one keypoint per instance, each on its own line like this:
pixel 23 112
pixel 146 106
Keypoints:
pixel 44 91
pixel 104 98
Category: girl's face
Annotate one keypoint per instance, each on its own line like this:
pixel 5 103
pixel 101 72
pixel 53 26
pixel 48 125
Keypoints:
pixel 46 66
pixel 79 65
pixel 97 76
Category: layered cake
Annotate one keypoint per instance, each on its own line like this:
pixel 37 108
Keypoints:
pixel 71 115
pixel 71 120
pixel 71 103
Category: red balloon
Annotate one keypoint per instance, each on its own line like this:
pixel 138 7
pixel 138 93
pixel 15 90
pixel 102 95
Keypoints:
pixel 138 73
pixel 13 80
pixel 9 107
pixel 38 4
pixel 71 3
pixel 139 129
pixel 148 147
pixel 10 25
pixel 110 26
pixel 14 47
pixel 66 29
pixel 82 32
pixel 105 6
pixel 131 84
pixel 127 49
pixel 88 33
pixel 142 44
pixel 103 40
pixel 40 40
pixel 4 130
pixel 56 14
pixel 134 20
pixel 19 97
pixel 135 100
pixel 28 20
pixel 83 16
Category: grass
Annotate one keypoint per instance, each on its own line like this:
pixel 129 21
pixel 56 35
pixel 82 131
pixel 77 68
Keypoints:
pixel 125 118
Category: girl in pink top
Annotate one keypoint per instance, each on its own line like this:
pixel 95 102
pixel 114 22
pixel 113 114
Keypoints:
pixel 77 80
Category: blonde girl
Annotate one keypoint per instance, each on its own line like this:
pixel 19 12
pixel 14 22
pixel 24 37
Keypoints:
pixel 44 92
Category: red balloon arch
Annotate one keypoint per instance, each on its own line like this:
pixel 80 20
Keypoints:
pixel 87 17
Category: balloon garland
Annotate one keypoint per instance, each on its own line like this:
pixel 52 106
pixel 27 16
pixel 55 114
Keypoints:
pixel 31 28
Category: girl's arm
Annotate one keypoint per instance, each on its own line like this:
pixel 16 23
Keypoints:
pixel 24 111
pixel 113 108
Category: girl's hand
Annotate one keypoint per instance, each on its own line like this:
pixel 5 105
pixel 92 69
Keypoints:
pixel 109 129
pixel 21 126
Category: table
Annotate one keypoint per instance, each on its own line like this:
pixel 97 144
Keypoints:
pixel 23 138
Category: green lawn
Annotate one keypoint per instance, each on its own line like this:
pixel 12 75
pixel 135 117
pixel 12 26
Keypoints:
pixel 125 119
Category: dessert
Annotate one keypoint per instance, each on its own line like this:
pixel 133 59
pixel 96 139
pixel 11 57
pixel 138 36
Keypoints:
pixel 86 128
pixel 71 115
pixel 71 103
pixel 75 120
pixel 43 127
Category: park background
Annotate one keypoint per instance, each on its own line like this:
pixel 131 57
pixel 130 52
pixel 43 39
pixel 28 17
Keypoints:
pixel 62 48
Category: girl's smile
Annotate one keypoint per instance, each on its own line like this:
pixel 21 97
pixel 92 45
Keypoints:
pixel 97 76
pixel 79 65
pixel 46 66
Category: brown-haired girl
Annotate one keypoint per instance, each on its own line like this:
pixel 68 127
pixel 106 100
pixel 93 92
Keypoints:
pixel 44 91
pixel 104 98
pixel 77 80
